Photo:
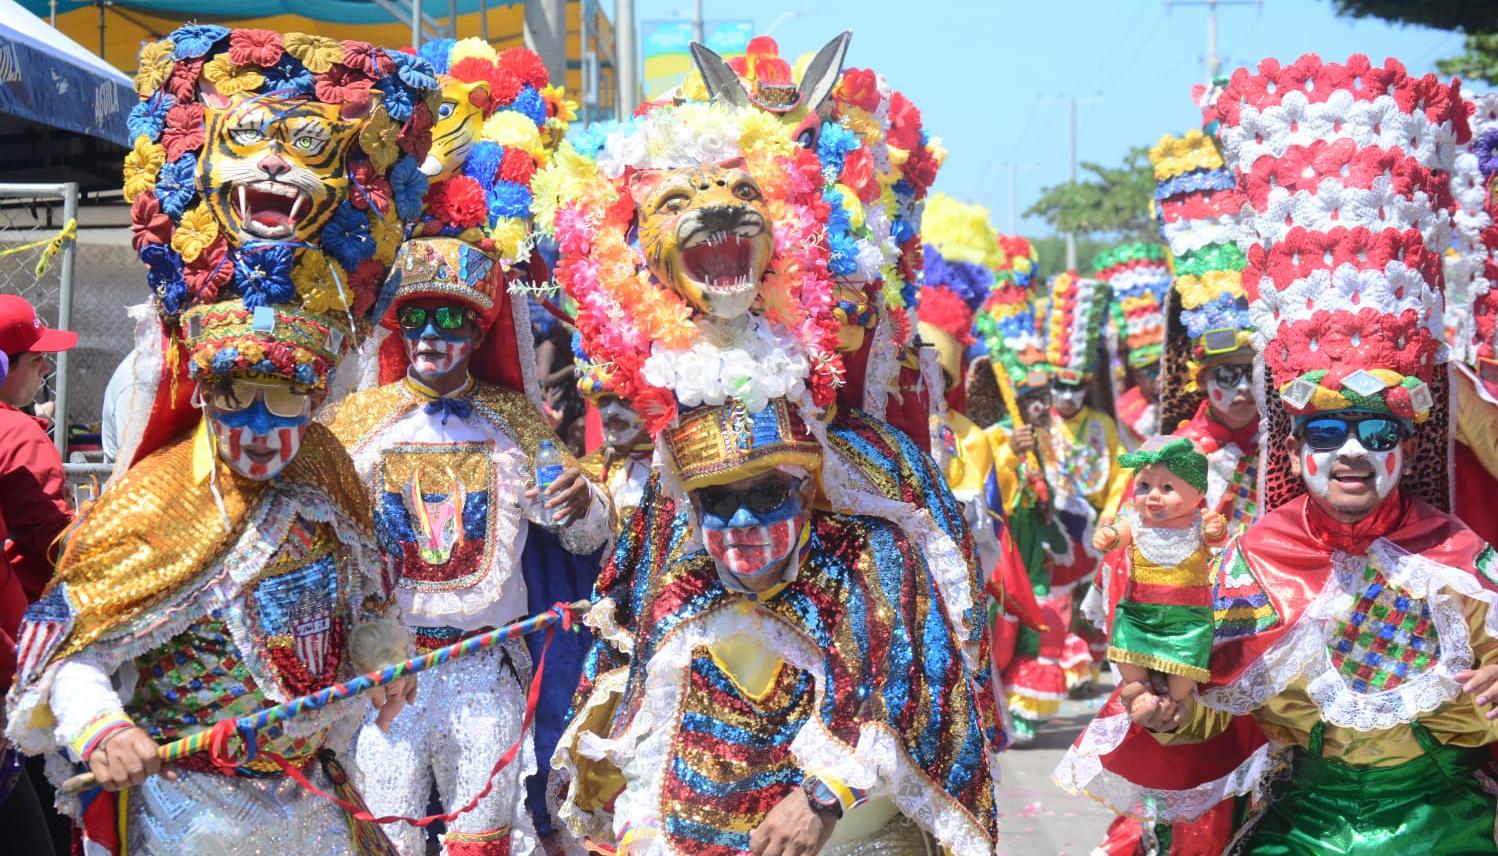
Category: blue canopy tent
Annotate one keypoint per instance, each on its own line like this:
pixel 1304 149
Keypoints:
pixel 49 79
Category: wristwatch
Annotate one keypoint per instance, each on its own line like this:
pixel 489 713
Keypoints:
pixel 821 797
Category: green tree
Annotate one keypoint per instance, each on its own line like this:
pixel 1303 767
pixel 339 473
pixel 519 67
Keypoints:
pixel 1108 202
pixel 1477 19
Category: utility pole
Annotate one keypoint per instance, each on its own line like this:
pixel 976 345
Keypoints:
pixel 1071 160
pixel 546 34
pixel 697 22
pixel 1014 169
pixel 625 64
pixel 1214 62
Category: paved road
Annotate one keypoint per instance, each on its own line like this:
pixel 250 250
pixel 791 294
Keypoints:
pixel 1036 818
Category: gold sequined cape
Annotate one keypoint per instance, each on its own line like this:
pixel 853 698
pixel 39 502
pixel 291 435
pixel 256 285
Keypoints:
pixel 156 530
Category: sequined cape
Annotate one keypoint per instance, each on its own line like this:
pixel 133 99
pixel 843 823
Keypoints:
pixel 876 695
pixel 156 530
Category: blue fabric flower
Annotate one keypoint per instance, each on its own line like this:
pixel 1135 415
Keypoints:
pixel 530 104
pixel 164 275
pixel 483 163
pixel 223 361
pixel 833 146
pixel 589 141
pixel 1486 148
pixel 304 374
pixel 174 187
pixel 194 40
pixel 415 71
pixel 347 238
pixel 436 52
pixel 397 100
pixel 969 281
pixel 262 275
pixel 288 75
pixel 844 257
pixel 265 366
pixel 509 199
pixel 409 186
pixel 148 117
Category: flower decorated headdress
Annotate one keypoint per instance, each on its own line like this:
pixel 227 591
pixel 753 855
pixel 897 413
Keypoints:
pixel 665 348
pixel 1139 277
pixel 1206 311
pixel 264 181
pixel 727 443
pixel 1074 325
pixel 1471 264
pixel 959 257
pixel 1345 172
pixel 1007 320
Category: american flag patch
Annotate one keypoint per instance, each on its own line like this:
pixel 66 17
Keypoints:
pixel 44 626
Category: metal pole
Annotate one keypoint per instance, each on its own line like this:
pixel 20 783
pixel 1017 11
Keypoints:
pixel 626 66
pixel 1213 63
pixel 484 20
pixel 452 17
pixel 416 25
pixel 64 320
pixel 546 34
pixel 582 55
pixel 101 5
pixel 53 6
pixel 1071 157
pixel 697 22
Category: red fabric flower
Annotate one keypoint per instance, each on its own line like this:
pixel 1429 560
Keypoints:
pixel 255 47
pixel 525 65
pixel 905 123
pixel 182 83
pixel 920 168
pixel 859 87
pixel 209 272
pixel 365 282
pixel 184 130
pixel 517 166
pixel 147 223
pixel 463 203
pixel 368 187
pixel 943 309
pixel 341 84
pixel 858 173
pixel 367 58
pixel 416 135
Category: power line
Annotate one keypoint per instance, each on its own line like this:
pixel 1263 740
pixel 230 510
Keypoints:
pixel 1213 61
pixel 1071 149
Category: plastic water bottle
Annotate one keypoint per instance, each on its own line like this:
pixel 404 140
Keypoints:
pixel 548 465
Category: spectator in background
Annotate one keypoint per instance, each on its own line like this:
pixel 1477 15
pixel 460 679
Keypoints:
pixel 31 482
pixel 563 406
pixel 115 413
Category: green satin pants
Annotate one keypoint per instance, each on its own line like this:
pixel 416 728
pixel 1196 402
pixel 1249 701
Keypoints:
pixel 1433 805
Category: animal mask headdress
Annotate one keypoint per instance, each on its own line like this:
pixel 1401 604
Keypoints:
pixel 1345 170
pixel 268 179
pixel 1206 314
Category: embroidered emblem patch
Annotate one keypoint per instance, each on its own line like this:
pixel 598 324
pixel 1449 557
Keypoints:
pixel 433 514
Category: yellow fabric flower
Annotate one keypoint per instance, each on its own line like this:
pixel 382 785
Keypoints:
pixel 1197 291
pixel 471 47
pixel 566 110
pixel 142 165
pixel 231 79
pixel 387 234
pixel 509 236
pixel 317 283
pixel 379 139
pixel 197 230
pixel 153 67
pixel 317 53
pixel 693 87
pixel 516 130
pixel 1173 156
pixel 250 349
pixel 960 230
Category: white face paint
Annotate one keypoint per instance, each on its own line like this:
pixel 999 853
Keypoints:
pixel 1068 399
pixel 1316 467
pixel 622 427
pixel 258 456
pixel 432 359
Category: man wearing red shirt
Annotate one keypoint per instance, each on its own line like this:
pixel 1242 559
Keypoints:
pixel 31 482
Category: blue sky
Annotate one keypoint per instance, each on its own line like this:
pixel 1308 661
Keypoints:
pixel 985 74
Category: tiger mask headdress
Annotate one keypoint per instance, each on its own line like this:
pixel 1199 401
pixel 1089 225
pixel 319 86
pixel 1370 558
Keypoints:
pixel 275 168
pixel 459 123
pixel 706 233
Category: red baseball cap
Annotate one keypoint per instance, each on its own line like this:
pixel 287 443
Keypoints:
pixel 22 330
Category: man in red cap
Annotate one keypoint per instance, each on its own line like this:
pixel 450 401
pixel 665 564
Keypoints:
pixel 31 483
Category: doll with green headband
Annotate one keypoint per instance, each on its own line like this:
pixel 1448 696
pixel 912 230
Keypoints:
pixel 1163 623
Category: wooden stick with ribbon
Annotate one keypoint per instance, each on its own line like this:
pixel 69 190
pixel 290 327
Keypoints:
pixel 1011 406
pixel 215 738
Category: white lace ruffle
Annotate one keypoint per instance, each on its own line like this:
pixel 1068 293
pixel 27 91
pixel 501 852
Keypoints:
pixel 877 763
pixel 882 372
pixel 1222 465
pixel 584 824
pixel 1168 547
pixel 1302 654
pixel 133 413
pixel 602 619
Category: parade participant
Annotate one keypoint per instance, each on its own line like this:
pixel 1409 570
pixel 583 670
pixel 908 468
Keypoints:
pixel 449 448
pixel 726 228
pixel 1163 623
pixel 1472 321
pixel 32 498
pixel 1139 277
pixel 1365 676
pixel 230 567
pixel 622 465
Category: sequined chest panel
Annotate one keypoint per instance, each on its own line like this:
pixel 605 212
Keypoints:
pixel 1385 639
pixel 434 514
pixel 731 761
pixel 1079 464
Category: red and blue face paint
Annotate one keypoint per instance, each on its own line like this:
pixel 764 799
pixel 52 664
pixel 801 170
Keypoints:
pixel 256 443
pixel 436 352
pixel 750 546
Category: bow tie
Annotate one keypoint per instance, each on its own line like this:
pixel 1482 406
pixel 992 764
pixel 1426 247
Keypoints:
pixel 459 407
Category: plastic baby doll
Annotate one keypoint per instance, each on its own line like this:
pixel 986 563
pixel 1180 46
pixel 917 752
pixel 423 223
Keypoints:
pixel 1163 622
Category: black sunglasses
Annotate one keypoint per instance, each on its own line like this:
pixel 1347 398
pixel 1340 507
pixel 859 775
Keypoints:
pixel 723 502
pixel 446 317
pixel 1375 433
pixel 1232 374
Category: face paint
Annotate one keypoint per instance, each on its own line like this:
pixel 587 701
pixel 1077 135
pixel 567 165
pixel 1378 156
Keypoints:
pixel 1068 399
pixel 750 547
pixel 622 427
pixel 435 352
pixel 256 443
pixel 1316 467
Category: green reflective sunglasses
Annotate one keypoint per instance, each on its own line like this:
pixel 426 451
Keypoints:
pixel 445 317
